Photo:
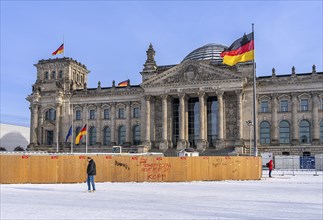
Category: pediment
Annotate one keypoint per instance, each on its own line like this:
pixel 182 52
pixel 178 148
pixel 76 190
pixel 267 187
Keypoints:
pixel 192 72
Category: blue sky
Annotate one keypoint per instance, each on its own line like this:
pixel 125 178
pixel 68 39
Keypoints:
pixel 111 38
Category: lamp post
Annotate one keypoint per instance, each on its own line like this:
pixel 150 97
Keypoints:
pixel 250 124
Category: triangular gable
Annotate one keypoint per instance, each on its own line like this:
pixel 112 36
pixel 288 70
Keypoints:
pixel 191 72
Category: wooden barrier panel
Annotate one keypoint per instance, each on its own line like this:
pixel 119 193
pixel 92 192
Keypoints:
pixel 14 169
pixel 111 168
pixel 43 169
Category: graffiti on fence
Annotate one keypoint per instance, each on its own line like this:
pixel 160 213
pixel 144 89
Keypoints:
pixel 155 171
pixel 156 176
pixel 219 162
pixel 118 164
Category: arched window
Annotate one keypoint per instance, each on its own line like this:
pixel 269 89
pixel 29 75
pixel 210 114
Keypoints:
pixel 136 135
pixel 107 136
pixel 284 132
pixel 304 132
pixel 46 75
pixel 265 132
pixel 321 132
pixel 121 135
pixel 92 136
pixel 50 114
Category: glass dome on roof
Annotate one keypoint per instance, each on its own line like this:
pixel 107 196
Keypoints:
pixel 207 52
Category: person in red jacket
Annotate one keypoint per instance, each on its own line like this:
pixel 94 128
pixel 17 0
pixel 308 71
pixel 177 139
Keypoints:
pixel 270 167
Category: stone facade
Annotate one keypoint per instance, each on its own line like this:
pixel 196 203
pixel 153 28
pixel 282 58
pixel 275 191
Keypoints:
pixel 197 103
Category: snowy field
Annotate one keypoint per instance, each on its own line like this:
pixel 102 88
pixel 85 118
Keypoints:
pixel 282 197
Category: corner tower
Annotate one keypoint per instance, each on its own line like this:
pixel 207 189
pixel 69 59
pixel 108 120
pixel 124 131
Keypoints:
pixel 50 98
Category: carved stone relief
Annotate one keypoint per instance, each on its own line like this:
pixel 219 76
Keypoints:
pixel 192 74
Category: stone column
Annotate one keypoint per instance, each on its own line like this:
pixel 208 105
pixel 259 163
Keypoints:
pixel 274 121
pixel 147 139
pixel 239 141
pixel 128 123
pixel 33 124
pixel 57 124
pixel 187 143
pixel 219 141
pixel 164 143
pixel 99 140
pixel 152 137
pixel 40 130
pixel 202 143
pixel 170 119
pixel 315 119
pixel 113 123
pixel 295 139
pixel 181 144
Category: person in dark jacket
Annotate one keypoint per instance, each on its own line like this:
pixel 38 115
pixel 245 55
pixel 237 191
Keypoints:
pixel 270 167
pixel 91 172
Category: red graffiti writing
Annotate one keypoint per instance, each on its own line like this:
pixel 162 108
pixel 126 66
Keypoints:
pixel 143 160
pixel 156 176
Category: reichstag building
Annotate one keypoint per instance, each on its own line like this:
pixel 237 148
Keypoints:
pixel 199 103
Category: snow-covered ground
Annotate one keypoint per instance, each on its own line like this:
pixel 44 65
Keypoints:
pixel 282 197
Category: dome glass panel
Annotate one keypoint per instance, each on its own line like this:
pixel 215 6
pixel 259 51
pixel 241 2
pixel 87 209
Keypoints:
pixel 207 52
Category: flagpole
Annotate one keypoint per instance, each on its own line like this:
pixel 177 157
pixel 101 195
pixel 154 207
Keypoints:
pixel 254 100
pixel 56 136
pixel 86 130
pixel 64 46
pixel 72 130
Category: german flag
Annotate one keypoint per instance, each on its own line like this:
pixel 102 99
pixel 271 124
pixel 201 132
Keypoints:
pixel 59 50
pixel 123 83
pixel 241 50
pixel 80 135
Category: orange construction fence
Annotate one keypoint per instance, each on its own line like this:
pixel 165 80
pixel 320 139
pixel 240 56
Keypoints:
pixel 110 168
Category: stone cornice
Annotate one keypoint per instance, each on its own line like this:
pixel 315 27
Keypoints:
pixel 104 93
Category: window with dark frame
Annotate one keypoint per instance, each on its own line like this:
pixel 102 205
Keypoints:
pixel 284 105
pixel 136 112
pixel 304 105
pixel 78 115
pixel 106 113
pixel 121 113
pixel 264 106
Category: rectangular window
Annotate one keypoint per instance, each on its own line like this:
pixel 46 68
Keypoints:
pixel 322 104
pixel 136 112
pixel 284 106
pixel 106 113
pixel 92 114
pixel 264 106
pixel 304 105
pixel 121 113
pixel 78 115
